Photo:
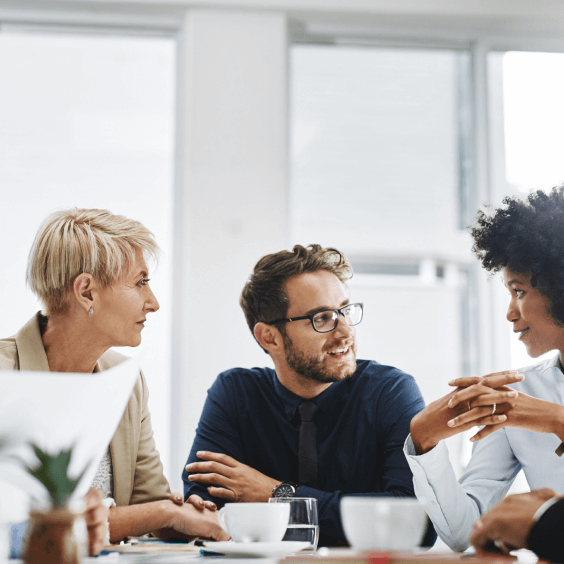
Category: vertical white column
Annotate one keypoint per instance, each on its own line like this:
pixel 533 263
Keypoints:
pixel 231 196
pixel 493 332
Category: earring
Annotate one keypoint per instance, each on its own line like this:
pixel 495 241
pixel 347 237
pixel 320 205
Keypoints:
pixel 91 310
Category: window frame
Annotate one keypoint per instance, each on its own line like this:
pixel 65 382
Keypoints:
pixel 393 25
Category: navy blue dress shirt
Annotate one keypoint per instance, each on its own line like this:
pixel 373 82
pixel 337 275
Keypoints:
pixel 362 424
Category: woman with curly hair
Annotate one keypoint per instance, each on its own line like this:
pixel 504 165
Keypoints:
pixel 524 423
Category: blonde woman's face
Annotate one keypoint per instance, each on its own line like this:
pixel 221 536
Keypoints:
pixel 121 308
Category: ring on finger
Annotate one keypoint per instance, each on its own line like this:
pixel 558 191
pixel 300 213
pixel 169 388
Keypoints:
pixel 469 406
pixel 494 407
pixel 502 546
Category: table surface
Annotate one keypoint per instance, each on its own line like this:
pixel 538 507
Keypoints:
pixel 523 557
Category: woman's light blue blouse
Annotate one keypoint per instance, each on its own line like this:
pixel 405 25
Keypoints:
pixel 454 506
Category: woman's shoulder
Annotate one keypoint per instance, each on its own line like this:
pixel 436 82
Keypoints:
pixel 541 379
pixel 110 359
pixel 548 363
pixel 9 354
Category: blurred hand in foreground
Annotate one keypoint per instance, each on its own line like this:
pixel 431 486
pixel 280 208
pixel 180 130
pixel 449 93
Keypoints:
pixel 507 526
pixel 96 519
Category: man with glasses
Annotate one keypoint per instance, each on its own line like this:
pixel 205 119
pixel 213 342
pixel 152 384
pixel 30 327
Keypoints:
pixel 321 424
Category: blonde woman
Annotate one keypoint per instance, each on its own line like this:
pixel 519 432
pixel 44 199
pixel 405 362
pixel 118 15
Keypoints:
pixel 89 269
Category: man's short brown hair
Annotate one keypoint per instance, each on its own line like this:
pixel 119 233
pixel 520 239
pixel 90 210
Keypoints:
pixel 263 298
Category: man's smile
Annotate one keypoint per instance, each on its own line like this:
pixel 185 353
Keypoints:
pixel 340 352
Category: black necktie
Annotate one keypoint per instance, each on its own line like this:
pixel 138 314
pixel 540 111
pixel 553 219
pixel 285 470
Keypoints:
pixel 307 452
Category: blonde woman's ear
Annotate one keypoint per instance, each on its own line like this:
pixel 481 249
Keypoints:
pixel 83 287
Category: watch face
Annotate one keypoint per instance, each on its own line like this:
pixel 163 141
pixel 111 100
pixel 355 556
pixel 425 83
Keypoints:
pixel 284 490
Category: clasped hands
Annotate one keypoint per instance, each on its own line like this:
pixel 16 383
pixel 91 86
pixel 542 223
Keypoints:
pixel 191 519
pixel 228 479
pixel 472 403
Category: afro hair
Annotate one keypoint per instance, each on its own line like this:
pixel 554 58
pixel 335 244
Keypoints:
pixel 528 237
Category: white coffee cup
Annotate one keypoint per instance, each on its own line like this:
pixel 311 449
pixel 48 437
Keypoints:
pixel 384 523
pixel 254 522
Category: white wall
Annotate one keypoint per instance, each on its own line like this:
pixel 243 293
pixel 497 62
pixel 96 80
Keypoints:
pixel 231 195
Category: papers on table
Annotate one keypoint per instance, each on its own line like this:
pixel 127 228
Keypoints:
pixel 154 547
pixel 58 411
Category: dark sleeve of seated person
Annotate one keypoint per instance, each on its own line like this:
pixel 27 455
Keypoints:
pixel 232 424
pixel 546 539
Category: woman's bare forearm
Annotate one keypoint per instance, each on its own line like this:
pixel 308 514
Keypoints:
pixel 136 520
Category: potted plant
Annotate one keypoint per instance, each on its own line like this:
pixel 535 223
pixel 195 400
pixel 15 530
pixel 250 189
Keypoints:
pixel 50 539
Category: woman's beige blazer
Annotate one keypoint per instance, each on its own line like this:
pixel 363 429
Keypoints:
pixel 137 468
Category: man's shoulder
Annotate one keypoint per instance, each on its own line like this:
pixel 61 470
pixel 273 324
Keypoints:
pixel 242 384
pixel 245 376
pixel 8 354
pixel 387 387
pixel 373 376
pixel 370 370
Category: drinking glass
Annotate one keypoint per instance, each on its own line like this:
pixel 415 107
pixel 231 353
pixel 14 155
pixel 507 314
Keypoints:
pixel 303 524
pixel 4 540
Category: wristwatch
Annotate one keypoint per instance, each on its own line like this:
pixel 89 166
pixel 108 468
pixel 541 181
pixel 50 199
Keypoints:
pixel 285 489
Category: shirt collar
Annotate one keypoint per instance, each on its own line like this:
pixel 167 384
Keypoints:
pixel 327 400
pixel 31 352
pixel 554 362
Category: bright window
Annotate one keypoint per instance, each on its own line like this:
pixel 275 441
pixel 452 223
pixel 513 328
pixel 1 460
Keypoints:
pixel 379 169
pixel 527 120
pixel 87 121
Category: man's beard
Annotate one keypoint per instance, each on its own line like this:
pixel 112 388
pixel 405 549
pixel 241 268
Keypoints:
pixel 312 368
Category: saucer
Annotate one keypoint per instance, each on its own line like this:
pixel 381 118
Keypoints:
pixel 256 549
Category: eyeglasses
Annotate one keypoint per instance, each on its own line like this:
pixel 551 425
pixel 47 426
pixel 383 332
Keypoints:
pixel 326 320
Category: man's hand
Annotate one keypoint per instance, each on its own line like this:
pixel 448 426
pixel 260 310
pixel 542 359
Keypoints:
pixel 507 526
pixel 230 480
pixel 96 519
pixel 441 418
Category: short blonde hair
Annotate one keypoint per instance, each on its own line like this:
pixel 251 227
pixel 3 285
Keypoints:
pixel 75 241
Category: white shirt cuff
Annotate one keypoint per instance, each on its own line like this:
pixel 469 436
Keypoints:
pixel 545 506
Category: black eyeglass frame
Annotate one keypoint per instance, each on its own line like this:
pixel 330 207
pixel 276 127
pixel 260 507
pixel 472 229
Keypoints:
pixel 312 315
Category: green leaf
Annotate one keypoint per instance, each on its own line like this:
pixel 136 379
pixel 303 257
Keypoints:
pixel 52 472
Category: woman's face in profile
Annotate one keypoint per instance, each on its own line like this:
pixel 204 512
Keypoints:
pixel 529 312
pixel 122 307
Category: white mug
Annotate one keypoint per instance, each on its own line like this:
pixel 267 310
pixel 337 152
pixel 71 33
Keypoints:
pixel 254 522
pixel 384 523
